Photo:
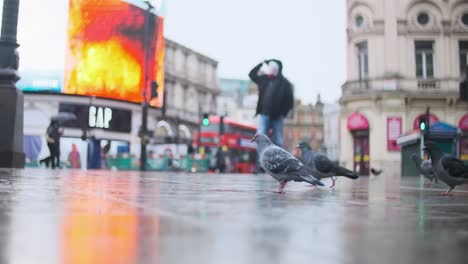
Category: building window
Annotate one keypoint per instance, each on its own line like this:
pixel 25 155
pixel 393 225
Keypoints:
pixel 424 59
pixel 423 18
pixel 463 57
pixel 464 19
pixel 319 136
pixel 359 20
pixel 363 60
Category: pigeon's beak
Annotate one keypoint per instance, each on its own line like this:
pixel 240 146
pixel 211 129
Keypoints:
pixel 253 139
pixel 297 146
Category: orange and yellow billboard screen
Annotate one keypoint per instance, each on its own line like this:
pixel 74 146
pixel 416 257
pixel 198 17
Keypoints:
pixel 106 50
pixel 109 44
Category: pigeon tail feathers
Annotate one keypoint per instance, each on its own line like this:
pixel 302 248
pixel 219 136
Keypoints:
pixel 347 173
pixel 312 180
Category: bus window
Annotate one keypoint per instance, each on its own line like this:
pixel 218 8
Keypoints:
pixel 210 128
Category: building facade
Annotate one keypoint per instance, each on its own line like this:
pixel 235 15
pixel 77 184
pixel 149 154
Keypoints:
pixel 331 129
pixel 238 100
pixel 191 88
pixel 402 56
pixel 305 125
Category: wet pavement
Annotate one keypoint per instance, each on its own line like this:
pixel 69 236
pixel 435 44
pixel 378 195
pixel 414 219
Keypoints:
pixel 128 217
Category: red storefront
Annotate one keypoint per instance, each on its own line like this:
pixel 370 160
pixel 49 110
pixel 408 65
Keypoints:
pixel 463 126
pixel 358 125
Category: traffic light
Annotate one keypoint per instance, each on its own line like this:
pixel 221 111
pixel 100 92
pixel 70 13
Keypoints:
pixel 164 106
pixel 221 125
pixel 464 90
pixel 206 119
pixel 423 123
pixel 154 89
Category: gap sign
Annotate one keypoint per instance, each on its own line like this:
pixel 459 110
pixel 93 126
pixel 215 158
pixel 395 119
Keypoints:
pixel 101 117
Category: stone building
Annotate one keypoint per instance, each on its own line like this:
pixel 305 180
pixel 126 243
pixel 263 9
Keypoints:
pixel 191 88
pixel 402 56
pixel 331 131
pixel 305 125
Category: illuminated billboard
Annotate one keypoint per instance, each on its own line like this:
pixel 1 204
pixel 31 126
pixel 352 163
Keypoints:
pixel 104 51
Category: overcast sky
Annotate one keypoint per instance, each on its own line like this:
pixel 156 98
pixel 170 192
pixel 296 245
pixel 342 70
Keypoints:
pixel 308 36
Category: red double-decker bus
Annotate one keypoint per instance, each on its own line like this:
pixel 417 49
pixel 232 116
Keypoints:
pixel 236 142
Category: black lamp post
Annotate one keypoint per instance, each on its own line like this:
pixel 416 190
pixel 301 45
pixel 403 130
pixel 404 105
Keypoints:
pixel 145 106
pixel 11 98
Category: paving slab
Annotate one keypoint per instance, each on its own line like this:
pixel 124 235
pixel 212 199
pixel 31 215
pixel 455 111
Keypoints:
pixel 67 216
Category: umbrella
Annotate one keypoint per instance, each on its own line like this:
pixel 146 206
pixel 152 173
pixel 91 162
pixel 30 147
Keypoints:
pixel 63 117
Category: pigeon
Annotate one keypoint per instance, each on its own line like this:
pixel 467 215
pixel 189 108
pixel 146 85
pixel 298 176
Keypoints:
pixel 447 168
pixel 321 165
pixel 282 165
pixel 375 172
pixel 425 168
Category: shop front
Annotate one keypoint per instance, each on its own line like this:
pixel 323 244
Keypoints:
pixel 446 136
pixel 100 130
pixel 358 126
pixel 463 126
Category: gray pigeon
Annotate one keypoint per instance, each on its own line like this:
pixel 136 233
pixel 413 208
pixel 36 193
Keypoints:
pixel 447 168
pixel 376 172
pixel 280 164
pixel 425 168
pixel 321 165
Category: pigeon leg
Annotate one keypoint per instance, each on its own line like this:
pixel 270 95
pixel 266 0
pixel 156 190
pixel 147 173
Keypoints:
pixel 449 190
pixel 281 187
pixel 447 193
pixel 333 184
pixel 429 185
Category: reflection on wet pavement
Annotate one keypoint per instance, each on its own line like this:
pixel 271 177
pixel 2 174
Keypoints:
pixel 129 217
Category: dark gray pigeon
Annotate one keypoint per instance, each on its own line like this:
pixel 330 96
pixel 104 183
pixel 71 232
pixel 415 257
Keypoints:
pixel 282 165
pixel 376 172
pixel 447 168
pixel 321 166
pixel 425 168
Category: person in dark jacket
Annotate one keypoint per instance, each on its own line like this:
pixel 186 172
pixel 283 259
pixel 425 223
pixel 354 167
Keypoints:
pixel 275 98
pixel 53 143
pixel 220 160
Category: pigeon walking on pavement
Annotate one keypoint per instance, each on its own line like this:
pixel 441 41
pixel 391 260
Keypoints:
pixel 282 165
pixel 447 168
pixel 321 166
pixel 425 168
pixel 376 172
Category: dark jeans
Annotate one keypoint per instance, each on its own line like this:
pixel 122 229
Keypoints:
pixel 264 126
pixel 53 159
pixel 266 123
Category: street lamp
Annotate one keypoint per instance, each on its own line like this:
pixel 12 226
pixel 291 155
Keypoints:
pixel 144 114
pixel 425 128
pixel 11 98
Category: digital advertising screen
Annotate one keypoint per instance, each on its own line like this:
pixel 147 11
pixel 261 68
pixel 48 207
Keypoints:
pixel 99 48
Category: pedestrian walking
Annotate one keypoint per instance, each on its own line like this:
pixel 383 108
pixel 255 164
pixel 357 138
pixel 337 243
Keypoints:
pixel 221 160
pixel 275 99
pixel 74 157
pixel 53 143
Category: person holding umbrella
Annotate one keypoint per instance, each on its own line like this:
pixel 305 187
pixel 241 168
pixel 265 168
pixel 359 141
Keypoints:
pixel 53 138
pixel 53 143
